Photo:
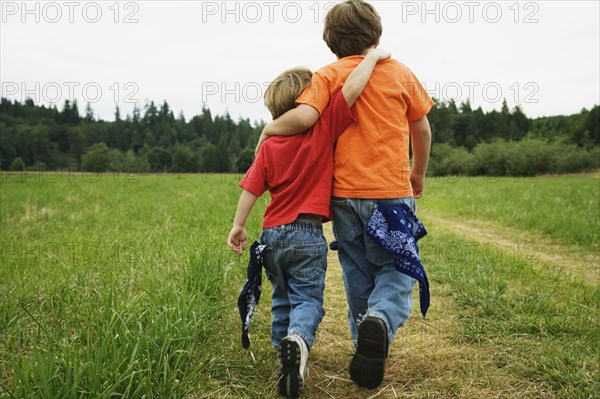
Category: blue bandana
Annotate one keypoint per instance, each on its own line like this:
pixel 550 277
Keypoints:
pixel 397 229
pixel 250 295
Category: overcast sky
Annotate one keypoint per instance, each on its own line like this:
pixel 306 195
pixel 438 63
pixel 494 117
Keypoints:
pixel 543 55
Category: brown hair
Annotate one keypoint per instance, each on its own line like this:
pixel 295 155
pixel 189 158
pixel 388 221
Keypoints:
pixel 282 93
pixel 352 27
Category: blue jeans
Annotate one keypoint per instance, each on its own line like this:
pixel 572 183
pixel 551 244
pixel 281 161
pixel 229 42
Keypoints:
pixel 295 263
pixel 373 286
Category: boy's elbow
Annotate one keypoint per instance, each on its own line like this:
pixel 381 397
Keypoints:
pixel 308 116
pixel 350 94
pixel 420 127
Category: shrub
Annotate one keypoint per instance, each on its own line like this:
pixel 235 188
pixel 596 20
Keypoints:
pixel 96 159
pixel 17 165
pixel 448 160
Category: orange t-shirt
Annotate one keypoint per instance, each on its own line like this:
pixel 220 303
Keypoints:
pixel 371 157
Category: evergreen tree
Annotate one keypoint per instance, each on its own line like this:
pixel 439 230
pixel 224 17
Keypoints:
pixel 244 160
pixel 223 157
pixel 151 115
pixel 76 143
pixel 89 113
pixel 70 113
pixel 137 132
pixel 43 150
pixel 522 123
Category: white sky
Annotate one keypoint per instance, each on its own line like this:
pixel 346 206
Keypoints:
pixel 543 55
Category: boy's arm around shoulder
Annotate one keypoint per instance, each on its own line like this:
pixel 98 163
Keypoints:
pixel 294 121
pixel 359 77
pixel 304 116
pixel 340 113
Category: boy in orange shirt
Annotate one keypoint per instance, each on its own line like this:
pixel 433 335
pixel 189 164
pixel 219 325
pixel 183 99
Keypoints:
pixel 372 168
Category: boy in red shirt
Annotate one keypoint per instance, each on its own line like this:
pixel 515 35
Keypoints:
pixel 372 169
pixel 297 172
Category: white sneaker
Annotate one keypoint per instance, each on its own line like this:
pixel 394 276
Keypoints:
pixel 293 354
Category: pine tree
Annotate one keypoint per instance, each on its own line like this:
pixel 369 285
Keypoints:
pixel 89 113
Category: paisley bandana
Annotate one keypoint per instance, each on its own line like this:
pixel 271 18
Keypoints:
pixel 397 229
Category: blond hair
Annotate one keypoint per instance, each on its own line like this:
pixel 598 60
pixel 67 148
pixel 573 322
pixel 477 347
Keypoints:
pixel 282 93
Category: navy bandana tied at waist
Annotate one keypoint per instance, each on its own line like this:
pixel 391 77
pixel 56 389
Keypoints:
pixel 397 229
pixel 250 295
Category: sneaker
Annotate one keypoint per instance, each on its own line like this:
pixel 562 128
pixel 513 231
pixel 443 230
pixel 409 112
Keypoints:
pixel 368 364
pixel 293 354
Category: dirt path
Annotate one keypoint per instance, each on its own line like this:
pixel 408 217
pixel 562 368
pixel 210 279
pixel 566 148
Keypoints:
pixel 426 359
pixel 524 245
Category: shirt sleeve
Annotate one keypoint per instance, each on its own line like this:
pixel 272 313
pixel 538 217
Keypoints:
pixel 336 117
pixel 255 179
pixel 416 98
pixel 316 93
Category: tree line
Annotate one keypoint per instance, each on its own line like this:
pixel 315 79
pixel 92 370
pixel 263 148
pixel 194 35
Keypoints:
pixel 508 143
pixel 465 141
pixel 36 137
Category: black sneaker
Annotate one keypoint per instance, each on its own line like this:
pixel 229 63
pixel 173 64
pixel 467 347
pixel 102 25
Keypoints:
pixel 293 354
pixel 368 364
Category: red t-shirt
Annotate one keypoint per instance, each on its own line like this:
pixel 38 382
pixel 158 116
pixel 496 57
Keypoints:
pixel 298 170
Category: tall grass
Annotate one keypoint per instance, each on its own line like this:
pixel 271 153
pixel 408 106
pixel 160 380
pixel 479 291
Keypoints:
pixel 114 286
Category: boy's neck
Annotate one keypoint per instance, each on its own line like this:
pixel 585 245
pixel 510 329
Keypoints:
pixel 369 48
pixel 364 53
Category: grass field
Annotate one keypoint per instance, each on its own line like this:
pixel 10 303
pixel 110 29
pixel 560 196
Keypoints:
pixel 122 286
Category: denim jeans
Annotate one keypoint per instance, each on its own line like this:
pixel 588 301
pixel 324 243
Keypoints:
pixel 295 263
pixel 373 286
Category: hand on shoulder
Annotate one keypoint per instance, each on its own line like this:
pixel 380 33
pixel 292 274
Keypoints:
pixel 378 54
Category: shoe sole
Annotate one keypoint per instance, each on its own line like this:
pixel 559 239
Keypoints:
pixel 368 364
pixel 291 382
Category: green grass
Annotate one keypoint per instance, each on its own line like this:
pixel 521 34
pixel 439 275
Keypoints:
pixel 567 209
pixel 114 286
pixel 544 324
pixel 523 317
pixel 123 287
